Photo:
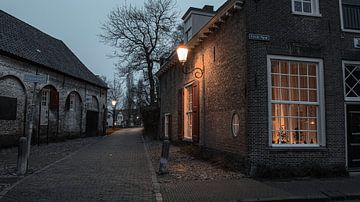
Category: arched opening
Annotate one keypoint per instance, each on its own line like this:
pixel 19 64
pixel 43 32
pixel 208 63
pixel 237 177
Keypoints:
pixel 13 101
pixel 72 123
pixel 48 119
pixel 92 116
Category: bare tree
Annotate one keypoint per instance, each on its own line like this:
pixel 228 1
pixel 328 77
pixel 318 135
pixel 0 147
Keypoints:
pixel 115 91
pixel 141 36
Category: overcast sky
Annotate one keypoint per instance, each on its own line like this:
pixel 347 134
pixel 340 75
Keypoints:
pixel 77 23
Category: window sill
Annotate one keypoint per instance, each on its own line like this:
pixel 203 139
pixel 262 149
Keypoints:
pixel 185 139
pixel 297 148
pixel 307 14
pixel 350 30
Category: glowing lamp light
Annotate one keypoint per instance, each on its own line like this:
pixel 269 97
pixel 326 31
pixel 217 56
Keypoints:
pixel 182 53
pixel 113 102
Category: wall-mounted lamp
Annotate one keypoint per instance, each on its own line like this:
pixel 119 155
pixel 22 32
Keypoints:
pixel 182 53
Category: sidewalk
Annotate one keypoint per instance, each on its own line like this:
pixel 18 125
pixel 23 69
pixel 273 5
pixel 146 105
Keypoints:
pixel 182 185
pixel 113 169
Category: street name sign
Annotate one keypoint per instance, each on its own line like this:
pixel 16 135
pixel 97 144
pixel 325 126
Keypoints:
pixel 34 78
pixel 259 37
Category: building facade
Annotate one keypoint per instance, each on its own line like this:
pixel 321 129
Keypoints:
pixel 279 87
pixel 69 102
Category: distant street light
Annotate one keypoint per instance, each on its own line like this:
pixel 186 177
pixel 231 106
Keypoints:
pixel 113 102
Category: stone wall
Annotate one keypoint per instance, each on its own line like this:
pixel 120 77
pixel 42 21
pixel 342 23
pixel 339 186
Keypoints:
pixel 60 126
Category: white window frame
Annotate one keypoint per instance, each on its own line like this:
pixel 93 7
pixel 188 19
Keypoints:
pixel 321 113
pixel 342 21
pixel 315 9
pixel 344 63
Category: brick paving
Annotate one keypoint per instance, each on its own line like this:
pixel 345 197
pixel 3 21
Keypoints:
pixel 113 169
pixel 188 183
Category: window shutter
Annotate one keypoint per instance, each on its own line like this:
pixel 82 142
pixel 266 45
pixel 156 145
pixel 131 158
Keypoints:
pixel 196 113
pixel 180 114
pixel 54 100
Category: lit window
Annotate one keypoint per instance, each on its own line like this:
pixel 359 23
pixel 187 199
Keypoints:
pixel 295 103
pixel 306 7
pixel 235 124
pixel 350 10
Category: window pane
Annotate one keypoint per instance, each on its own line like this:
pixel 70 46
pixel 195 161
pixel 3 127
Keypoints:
pixel 312 95
pixel 312 82
pixel 313 137
pixel 275 67
pixel 313 124
pixel 293 124
pixel 284 67
pixel 285 94
pixel 307 7
pixel 276 94
pixel 303 111
pixel 303 137
pixel 294 95
pixel 298 6
pixel 294 81
pixel 304 124
pixel 284 81
pixel 303 82
pixel 312 111
pixel 304 95
pixel 312 69
pixel 303 69
pixel 294 110
pixel 294 68
pixel 275 80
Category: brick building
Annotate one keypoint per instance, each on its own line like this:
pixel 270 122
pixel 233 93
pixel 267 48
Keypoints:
pixel 280 85
pixel 71 103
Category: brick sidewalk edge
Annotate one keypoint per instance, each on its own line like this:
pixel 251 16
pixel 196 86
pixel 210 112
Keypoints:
pixel 156 185
pixel 295 199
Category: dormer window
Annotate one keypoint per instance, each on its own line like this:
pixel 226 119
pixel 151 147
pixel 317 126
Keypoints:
pixel 306 7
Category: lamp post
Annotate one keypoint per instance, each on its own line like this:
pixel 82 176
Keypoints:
pixel 182 53
pixel 113 102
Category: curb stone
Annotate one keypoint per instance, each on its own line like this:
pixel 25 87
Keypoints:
pixel 156 185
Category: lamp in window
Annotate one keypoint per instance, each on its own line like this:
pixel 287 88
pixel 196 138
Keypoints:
pixel 182 53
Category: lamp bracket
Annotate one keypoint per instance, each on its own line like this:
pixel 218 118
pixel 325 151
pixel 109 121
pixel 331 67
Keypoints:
pixel 198 72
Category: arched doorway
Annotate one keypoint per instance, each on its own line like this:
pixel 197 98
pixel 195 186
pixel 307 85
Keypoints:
pixel 92 117
pixel 48 120
pixel 13 101
pixel 73 115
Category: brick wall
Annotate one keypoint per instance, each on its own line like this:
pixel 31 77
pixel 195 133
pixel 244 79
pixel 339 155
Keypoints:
pixel 300 36
pixel 222 87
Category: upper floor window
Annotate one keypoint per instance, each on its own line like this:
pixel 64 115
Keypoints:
pixel 350 14
pixel 306 7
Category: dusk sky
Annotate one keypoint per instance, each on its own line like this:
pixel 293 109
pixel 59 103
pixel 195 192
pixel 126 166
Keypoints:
pixel 78 22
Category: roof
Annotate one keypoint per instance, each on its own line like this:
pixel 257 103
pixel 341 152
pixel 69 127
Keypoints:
pixel 19 39
pixel 222 14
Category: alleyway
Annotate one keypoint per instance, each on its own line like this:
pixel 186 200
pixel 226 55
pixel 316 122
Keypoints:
pixel 114 169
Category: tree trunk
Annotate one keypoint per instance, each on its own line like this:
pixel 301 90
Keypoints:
pixel 152 83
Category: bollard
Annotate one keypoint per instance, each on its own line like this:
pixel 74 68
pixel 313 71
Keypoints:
pixel 21 162
pixel 164 168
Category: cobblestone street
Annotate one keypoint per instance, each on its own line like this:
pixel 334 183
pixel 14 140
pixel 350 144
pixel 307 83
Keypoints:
pixel 113 169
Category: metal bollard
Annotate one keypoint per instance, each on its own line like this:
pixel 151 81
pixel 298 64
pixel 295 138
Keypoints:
pixel 164 168
pixel 22 161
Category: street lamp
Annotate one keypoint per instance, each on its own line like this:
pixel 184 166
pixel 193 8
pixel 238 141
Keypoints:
pixel 113 102
pixel 182 53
